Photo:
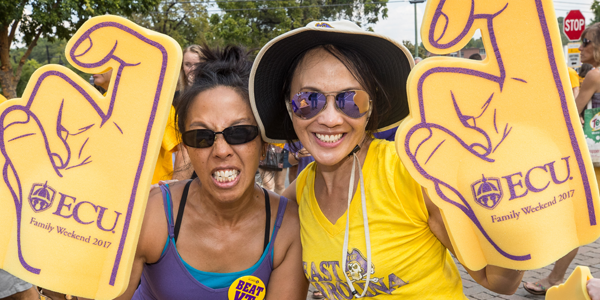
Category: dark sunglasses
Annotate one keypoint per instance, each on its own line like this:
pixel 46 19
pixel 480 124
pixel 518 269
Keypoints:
pixel 585 42
pixel 234 135
pixel 354 103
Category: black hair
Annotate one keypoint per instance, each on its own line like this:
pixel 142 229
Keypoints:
pixel 585 68
pixel 360 69
pixel 476 56
pixel 227 67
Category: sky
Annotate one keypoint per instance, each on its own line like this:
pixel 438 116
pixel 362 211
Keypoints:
pixel 400 23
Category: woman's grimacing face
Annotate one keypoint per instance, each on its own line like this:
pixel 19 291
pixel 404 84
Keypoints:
pixel 331 135
pixel 225 171
pixel 190 60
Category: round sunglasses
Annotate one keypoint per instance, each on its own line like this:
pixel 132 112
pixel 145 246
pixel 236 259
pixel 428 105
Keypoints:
pixel 353 103
pixel 234 135
pixel 585 42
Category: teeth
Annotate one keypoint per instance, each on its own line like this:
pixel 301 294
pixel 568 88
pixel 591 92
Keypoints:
pixel 226 175
pixel 329 138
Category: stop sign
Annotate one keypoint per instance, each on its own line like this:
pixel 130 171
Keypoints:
pixel 573 25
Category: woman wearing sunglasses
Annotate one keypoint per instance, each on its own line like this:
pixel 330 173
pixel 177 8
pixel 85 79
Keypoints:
pixel 590 54
pixel 367 228
pixel 201 237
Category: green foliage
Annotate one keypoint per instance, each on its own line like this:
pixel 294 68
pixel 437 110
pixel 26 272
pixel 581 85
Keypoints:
pixel 596 10
pixel 564 39
pixel 44 50
pixel 475 43
pixel 39 57
pixel 52 19
pixel 28 69
pixel 254 23
pixel 184 21
pixel 411 47
pixel 61 18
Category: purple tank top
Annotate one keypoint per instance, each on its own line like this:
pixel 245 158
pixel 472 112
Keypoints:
pixel 169 279
pixel 596 100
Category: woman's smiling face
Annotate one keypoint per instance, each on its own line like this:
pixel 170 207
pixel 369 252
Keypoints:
pixel 331 135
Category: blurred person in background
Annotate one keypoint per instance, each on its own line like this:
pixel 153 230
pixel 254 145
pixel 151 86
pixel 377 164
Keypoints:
pixel 583 70
pixel 574 79
pixel 192 56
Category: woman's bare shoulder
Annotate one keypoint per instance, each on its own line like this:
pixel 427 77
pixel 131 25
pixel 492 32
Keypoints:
pixel 592 76
pixel 154 233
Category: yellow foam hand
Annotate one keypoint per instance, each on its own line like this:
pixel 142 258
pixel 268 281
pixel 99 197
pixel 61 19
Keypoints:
pixel 575 288
pixel 77 165
pixel 497 142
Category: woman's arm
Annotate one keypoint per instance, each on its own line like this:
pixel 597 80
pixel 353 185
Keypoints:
pixel 153 237
pixel 294 157
pixel 589 86
pixel 287 279
pixel 290 192
pixel 493 278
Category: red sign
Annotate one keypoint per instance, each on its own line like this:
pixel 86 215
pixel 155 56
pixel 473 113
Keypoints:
pixel 573 25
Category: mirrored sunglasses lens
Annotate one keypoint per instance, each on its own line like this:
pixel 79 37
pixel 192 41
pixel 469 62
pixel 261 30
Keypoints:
pixel 308 104
pixel 354 104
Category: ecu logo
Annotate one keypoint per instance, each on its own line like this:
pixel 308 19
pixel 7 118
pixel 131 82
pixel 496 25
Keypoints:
pixel 487 192
pixel 41 197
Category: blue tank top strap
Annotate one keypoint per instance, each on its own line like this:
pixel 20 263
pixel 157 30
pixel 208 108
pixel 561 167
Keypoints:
pixel 168 205
pixel 280 212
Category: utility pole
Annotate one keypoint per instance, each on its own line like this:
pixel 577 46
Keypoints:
pixel 47 54
pixel 415 2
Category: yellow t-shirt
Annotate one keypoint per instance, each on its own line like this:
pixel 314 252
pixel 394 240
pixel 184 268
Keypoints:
pixel 409 262
pixel 573 77
pixel 164 164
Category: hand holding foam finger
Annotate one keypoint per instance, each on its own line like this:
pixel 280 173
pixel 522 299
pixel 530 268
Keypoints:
pixel 497 142
pixel 77 165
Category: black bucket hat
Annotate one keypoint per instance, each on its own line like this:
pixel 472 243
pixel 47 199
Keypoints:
pixel 390 61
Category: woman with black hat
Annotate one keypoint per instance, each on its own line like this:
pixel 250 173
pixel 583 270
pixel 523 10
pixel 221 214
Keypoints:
pixel 374 236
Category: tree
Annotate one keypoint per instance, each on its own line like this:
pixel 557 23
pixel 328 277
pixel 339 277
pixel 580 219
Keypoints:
pixel 475 43
pixel 186 21
pixel 28 69
pixel 254 23
pixel 596 10
pixel 45 52
pixel 411 48
pixel 26 21
pixel 564 39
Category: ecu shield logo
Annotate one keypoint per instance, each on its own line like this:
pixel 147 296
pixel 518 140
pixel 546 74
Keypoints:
pixel 41 197
pixel 487 192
